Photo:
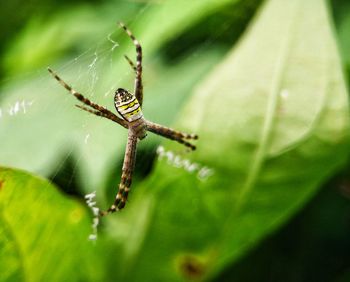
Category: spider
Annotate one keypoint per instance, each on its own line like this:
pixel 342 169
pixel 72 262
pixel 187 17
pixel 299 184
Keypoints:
pixel 128 106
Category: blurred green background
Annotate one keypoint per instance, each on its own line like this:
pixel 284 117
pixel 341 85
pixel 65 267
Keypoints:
pixel 263 83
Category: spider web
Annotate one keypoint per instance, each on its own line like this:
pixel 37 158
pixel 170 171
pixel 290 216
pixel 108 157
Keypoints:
pixel 39 115
pixel 44 133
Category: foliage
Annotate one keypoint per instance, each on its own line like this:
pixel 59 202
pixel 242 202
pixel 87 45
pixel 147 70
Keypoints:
pixel 271 112
pixel 43 233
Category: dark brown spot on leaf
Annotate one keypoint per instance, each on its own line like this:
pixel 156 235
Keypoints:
pixel 1 183
pixel 191 267
pixel 344 188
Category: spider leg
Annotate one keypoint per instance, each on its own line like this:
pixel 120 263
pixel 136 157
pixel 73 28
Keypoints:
pixel 127 171
pixel 130 62
pixel 172 134
pixel 112 117
pixel 95 112
pixel 138 79
pixel 106 113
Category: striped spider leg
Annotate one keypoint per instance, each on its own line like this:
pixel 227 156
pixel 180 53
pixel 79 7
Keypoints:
pixel 128 106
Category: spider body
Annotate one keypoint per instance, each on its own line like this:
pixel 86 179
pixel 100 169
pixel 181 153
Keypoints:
pixel 128 105
pixel 129 108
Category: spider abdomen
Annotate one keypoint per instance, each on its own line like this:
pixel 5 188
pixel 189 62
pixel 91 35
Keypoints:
pixel 130 109
pixel 127 105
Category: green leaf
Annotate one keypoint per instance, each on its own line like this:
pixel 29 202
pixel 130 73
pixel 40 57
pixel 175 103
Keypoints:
pixel 179 16
pixel 342 21
pixel 44 235
pixel 273 121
